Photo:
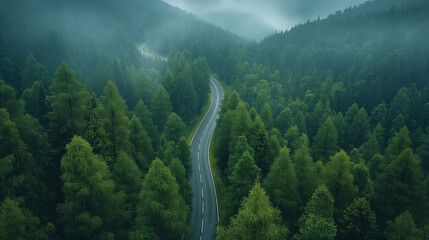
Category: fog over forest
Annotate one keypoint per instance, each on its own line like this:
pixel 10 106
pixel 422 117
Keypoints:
pixel 214 119
pixel 256 19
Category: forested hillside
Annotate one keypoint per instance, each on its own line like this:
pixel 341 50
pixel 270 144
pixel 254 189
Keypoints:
pixel 323 133
pixel 94 136
pixel 332 119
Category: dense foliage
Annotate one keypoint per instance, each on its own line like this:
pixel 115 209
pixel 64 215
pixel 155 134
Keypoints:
pixel 323 133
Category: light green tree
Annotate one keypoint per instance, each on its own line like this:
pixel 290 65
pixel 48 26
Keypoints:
pixel 256 219
pixel 339 180
pixel 281 185
pixel 91 208
pixel 161 212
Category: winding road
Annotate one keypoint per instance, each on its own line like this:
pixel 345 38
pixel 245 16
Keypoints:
pixel 205 212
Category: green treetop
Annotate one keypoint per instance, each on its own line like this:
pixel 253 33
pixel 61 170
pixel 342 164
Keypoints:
pixel 160 213
pixel 281 185
pixel 115 118
pixel 256 219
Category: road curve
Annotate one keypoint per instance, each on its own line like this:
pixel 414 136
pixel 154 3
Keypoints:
pixel 205 211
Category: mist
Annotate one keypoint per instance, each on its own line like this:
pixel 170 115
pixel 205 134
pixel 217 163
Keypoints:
pixel 255 19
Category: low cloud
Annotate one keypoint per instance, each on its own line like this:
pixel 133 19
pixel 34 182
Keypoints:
pixel 255 19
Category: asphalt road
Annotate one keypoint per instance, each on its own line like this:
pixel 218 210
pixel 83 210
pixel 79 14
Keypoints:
pixel 205 212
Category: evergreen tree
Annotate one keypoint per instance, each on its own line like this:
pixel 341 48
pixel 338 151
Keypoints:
pixel 299 121
pixel 358 221
pixel 184 155
pixel 35 101
pixel 141 144
pixel 96 136
pixel 70 104
pixel 200 79
pixel 127 177
pixel 267 116
pixel 401 187
pixel 161 212
pixel 145 116
pixel 115 118
pixel 185 99
pixel 357 126
pixel 256 219
pixel 402 228
pixel 240 148
pixel 339 180
pixel 281 185
pixel 91 207
pixel 178 171
pixel 304 170
pixel 242 179
pixel 325 142
pixel 361 179
pixel 261 147
pixel 285 120
pixel 35 72
pixel 19 223
pixel 292 136
pixel 161 107
pixel 317 220
pixel 174 128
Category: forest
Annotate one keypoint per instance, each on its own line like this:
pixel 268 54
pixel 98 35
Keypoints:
pixel 323 132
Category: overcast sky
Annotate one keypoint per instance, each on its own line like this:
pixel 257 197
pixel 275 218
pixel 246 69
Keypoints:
pixel 257 18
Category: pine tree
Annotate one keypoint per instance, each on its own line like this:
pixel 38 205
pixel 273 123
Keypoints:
pixel 178 171
pixel 141 144
pixel 242 179
pixel 325 142
pixel 185 99
pixel 161 107
pixel 161 212
pixel 256 219
pixel 281 185
pixel 91 207
pixel 240 148
pixel 19 223
pixel 267 116
pixel 401 187
pixel 304 170
pixel 357 126
pixel 299 120
pixel 292 136
pixel 200 79
pixel 339 180
pixel 145 116
pixel 115 118
pixel 97 136
pixel 358 221
pixel 402 228
pixel 317 220
pixel 70 104
pixel 174 128
pixel 184 155
pixel 127 177
pixel 285 120
pixel 261 149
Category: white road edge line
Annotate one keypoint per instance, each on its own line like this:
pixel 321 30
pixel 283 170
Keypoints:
pixel 208 159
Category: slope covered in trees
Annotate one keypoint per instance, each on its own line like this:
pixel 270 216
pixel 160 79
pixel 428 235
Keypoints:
pixel 342 102
pixel 324 132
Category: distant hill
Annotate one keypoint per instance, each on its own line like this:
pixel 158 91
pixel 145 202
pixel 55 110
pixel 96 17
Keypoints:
pixel 33 26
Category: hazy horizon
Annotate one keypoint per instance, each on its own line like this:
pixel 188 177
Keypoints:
pixel 256 19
